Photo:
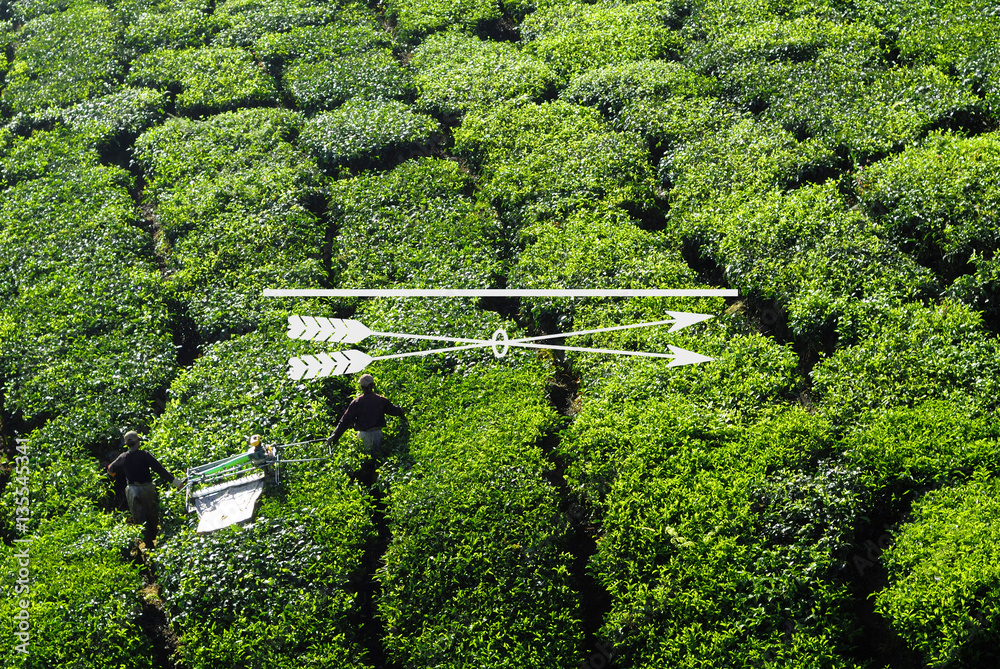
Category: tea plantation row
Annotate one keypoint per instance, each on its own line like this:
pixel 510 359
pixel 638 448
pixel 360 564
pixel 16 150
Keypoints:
pixel 823 493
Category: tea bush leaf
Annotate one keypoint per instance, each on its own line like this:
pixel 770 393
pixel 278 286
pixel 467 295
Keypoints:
pixel 83 587
pixel 118 117
pixel 360 34
pixel 417 18
pixel 908 354
pixel 941 222
pixel 234 184
pixel 167 24
pixel 372 75
pixel 611 87
pixel 246 21
pixel 93 332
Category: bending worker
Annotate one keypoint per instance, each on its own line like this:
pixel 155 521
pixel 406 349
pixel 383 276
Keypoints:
pixel 143 500
pixel 366 414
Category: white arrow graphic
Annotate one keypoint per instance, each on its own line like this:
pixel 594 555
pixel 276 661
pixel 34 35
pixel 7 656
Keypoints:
pixel 348 331
pixel 349 362
pixel 351 331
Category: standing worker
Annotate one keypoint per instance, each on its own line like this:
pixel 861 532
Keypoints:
pixel 143 500
pixel 366 414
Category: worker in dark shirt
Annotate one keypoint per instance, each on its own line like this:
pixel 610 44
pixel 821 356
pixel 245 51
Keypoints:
pixel 366 414
pixel 143 500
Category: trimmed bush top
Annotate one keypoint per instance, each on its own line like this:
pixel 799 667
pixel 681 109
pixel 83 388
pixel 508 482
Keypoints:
pixel 64 58
pixel 209 79
pixel 316 43
pixel 609 88
pixel 417 18
pixel 456 72
pixel 574 38
pixel 540 161
pixel 365 133
pixel 246 21
pixel 371 75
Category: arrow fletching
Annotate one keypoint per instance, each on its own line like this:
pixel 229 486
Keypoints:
pixel 317 328
pixel 335 363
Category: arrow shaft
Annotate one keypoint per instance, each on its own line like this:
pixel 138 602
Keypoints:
pixel 512 342
pixel 522 344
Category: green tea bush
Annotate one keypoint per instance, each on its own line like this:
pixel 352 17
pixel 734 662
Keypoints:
pixel 246 21
pixel 743 158
pixel 574 38
pixel 372 75
pixel 867 113
pixel 277 592
pixel 22 11
pixel 613 86
pixel 667 124
pixel 84 601
pixel 902 355
pixel 602 249
pixel 209 79
pixel 64 58
pixel 943 597
pixel 981 288
pixel 955 37
pixel 693 581
pixel 931 443
pixel 475 570
pixel 808 252
pixel 368 133
pixel 455 73
pixel 234 184
pixel 538 162
pixel 417 18
pixel 417 225
pixel 92 337
pixel 240 387
pixel 628 386
pixel 119 117
pixel 821 75
pixel 940 221
pixel 168 24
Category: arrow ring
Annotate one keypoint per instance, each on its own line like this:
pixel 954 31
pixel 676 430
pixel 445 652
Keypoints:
pixel 497 338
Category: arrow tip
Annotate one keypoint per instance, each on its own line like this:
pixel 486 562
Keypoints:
pixel 683 319
pixel 684 357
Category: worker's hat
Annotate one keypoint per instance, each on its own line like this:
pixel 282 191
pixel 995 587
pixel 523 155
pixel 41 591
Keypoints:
pixel 255 441
pixel 132 438
pixel 366 381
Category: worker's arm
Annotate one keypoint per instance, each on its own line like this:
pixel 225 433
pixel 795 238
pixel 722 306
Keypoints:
pixel 393 410
pixel 155 465
pixel 350 415
pixel 114 467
